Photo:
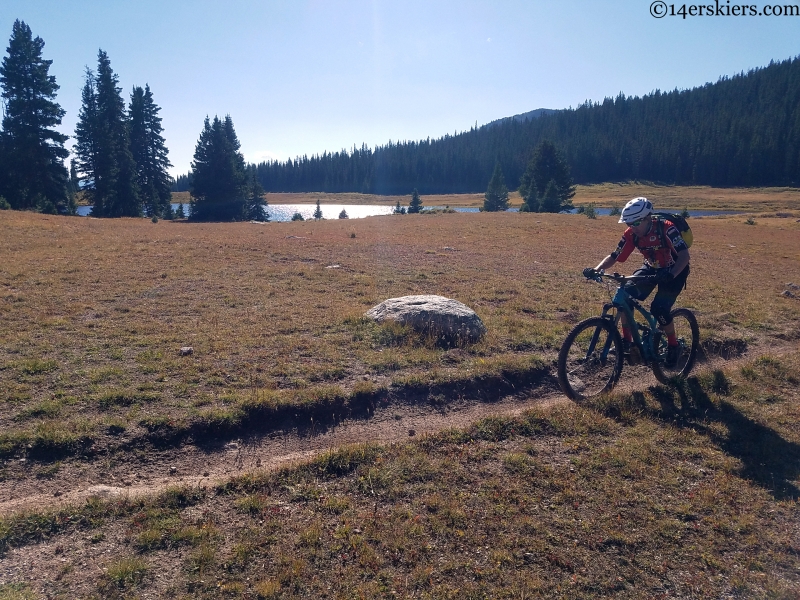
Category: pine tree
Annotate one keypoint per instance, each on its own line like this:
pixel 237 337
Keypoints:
pixel 121 194
pixel 318 211
pixel 103 145
pixel 73 187
pixel 551 202
pixel 496 197
pixel 415 205
pixel 219 180
pixel 74 181
pixel 149 152
pixel 4 178
pixel 256 206
pixel 545 166
pixel 343 214
pixel 399 210
pixel 530 203
pixel 86 143
pixel 32 172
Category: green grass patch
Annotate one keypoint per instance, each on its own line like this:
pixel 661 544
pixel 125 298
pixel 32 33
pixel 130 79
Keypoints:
pixel 16 591
pixel 37 366
pixel 46 409
pixel 124 397
pixel 124 574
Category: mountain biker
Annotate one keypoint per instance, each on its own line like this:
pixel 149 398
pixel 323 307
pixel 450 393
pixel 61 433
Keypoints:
pixel 666 260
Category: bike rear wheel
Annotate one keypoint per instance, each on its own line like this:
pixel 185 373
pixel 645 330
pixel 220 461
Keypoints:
pixel 590 360
pixel 688 334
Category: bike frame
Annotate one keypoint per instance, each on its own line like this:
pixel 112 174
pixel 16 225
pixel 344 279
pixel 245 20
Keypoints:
pixel 625 304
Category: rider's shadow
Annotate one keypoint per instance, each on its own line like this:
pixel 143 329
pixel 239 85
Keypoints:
pixel 767 459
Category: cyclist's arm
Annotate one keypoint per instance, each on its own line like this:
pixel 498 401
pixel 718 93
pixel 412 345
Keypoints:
pixel 680 262
pixel 607 262
pixel 622 252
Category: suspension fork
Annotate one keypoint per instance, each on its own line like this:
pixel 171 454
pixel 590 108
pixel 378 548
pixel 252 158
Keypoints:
pixel 608 314
pixel 596 335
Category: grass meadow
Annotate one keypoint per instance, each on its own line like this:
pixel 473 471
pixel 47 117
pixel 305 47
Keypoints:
pixel 606 195
pixel 661 492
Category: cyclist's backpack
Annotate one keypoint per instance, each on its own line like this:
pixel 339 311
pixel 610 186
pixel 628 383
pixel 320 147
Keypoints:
pixel 680 222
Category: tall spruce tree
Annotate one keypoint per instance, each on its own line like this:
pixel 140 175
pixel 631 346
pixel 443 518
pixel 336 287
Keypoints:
pixel 86 143
pixel 32 172
pixel 256 206
pixel 219 179
pixel 547 165
pixel 121 192
pixel 74 180
pixel 551 200
pixel 496 197
pixel 103 145
pixel 149 153
pixel 416 204
pixel 530 203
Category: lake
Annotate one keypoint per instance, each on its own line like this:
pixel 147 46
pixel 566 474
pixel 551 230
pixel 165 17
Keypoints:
pixel 284 212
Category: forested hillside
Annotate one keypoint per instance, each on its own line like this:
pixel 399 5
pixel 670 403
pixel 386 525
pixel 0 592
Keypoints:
pixel 740 131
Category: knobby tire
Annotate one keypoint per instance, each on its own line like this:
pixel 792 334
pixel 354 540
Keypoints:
pixel 582 377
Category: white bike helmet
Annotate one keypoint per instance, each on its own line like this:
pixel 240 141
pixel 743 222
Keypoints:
pixel 636 209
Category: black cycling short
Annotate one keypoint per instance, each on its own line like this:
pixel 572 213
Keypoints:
pixel 665 296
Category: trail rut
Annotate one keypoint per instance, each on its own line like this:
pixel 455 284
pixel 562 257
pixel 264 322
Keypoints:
pixel 131 474
pixel 120 476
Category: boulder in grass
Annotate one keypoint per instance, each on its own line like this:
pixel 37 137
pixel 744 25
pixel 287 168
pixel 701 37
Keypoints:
pixel 449 320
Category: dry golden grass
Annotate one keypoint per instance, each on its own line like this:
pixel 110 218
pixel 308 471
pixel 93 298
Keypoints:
pixel 606 195
pixel 692 197
pixel 95 311
pixel 673 493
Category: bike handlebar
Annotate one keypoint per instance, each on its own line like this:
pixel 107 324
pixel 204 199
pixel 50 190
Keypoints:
pixel 598 276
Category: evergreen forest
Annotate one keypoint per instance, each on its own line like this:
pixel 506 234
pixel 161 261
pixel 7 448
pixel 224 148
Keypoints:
pixel 121 160
pixel 740 131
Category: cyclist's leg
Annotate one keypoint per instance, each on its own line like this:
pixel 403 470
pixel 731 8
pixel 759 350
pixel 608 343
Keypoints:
pixel 665 299
pixel 641 290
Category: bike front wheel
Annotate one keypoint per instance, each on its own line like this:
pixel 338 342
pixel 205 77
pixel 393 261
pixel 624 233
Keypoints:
pixel 590 360
pixel 688 333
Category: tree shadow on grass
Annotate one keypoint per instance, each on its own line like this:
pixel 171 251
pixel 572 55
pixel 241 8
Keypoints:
pixel 768 460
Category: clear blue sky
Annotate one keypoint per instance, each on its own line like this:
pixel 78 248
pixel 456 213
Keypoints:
pixel 300 77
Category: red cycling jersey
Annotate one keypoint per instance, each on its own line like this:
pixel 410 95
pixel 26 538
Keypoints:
pixel 659 246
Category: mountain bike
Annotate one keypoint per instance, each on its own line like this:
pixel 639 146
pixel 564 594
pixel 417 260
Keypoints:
pixel 591 358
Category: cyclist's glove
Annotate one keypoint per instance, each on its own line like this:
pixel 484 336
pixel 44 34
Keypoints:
pixel 664 276
pixel 590 273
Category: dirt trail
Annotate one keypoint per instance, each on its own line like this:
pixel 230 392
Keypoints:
pixel 77 480
pixel 36 487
